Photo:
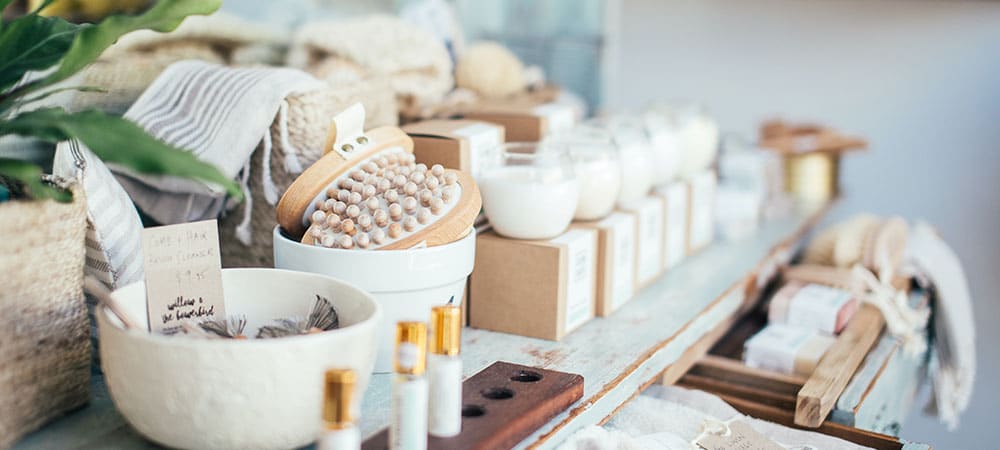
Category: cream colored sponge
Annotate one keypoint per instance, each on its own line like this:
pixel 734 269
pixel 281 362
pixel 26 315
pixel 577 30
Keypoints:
pixel 491 70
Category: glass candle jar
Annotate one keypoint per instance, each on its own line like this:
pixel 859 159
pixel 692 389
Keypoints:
pixel 634 156
pixel 529 192
pixel 595 159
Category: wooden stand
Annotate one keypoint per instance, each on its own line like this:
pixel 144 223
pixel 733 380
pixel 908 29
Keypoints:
pixel 503 404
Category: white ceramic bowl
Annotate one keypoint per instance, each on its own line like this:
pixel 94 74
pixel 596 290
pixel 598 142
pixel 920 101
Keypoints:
pixel 237 394
pixel 406 283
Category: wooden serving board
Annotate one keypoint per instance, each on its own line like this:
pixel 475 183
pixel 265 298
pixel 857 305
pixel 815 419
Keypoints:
pixel 503 404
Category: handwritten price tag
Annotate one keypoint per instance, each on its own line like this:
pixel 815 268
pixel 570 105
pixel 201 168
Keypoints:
pixel 183 274
pixel 740 437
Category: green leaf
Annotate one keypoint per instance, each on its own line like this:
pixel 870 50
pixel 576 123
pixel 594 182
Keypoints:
pixel 116 140
pixel 31 43
pixel 90 42
pixel 31 176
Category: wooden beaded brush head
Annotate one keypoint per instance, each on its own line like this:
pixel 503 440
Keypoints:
pixel 368 192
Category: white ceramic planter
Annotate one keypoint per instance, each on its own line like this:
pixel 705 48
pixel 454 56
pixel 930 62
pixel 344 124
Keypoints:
pixel 237 394
pixel 406 283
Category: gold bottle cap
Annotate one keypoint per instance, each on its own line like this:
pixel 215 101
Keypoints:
pixel 447 323
pixel 411 348
pixel 338 392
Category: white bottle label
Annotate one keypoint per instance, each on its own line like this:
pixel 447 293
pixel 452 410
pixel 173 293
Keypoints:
pixel 816 306
pixel 344 439
pixel 483 138
pixel 622 227
pixel 445 413
pixel 581 268
pixel 407 355
pixel 408 430
pixel 650 238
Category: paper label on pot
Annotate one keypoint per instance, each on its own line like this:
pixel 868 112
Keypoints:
pixel 483 138
pixel 581 268
pixel 183 274
pixel 623 248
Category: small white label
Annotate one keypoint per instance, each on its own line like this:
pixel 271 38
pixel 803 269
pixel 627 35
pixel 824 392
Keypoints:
pixel 775 347
pixel 816 306
pixel 407 354
pixel 408 429
pixel 676 223
pixel 445 376
pixel 650 238
pixel 581 269
pixel 557 117
pixel 702 200
pixel 483 138
pixel 622 228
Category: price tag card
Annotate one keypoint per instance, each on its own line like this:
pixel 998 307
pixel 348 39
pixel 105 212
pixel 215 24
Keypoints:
pixel 740 437
pixel 183 274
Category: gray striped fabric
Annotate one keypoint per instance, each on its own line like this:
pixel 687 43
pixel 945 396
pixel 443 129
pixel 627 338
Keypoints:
pixel 114 253
pixel 218 113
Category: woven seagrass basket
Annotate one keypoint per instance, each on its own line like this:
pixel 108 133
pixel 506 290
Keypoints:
pixel 44 330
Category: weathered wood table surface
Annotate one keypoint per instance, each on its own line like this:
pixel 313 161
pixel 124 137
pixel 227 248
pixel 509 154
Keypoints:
pixel 618 356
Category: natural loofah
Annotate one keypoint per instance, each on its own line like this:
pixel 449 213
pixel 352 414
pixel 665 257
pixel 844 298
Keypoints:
pixel 415 63
pixel 491 70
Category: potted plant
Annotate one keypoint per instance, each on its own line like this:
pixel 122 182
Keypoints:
pixel 44 345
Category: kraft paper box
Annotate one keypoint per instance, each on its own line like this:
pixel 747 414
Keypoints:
pixel 701 220
pixel 675 195
pixel 524 120
pixel 455 144
pixel 541 289
pixel 616 252
pixel 649 218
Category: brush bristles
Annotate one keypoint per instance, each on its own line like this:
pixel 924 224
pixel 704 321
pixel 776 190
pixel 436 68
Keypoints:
pixel 362 207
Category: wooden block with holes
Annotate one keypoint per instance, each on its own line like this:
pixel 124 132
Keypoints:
pixel 503 404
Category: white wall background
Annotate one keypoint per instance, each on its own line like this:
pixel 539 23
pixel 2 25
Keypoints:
pixel 921 80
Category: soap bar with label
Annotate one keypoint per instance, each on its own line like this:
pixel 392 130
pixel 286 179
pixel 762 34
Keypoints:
pixel 823 308
pixel 786 349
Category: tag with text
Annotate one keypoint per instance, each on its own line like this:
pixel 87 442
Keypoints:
pixel 741 437
pixel 183 274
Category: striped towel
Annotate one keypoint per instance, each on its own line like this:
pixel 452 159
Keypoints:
pixel 113 227
pixel 220 114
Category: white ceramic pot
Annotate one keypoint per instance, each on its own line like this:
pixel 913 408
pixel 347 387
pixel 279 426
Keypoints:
pixel 237 394
pixel 406 283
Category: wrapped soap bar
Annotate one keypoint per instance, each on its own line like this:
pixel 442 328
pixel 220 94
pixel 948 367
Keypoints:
pixel 814 306
pixel 786 349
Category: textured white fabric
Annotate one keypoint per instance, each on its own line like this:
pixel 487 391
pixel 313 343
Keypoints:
pixel 114 246
pixel 218 113
pixel 415 62
pixel 953 364
pixel 671 418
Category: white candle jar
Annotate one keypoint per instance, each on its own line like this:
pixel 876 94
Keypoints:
pixel 598 169
pixel 528 192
